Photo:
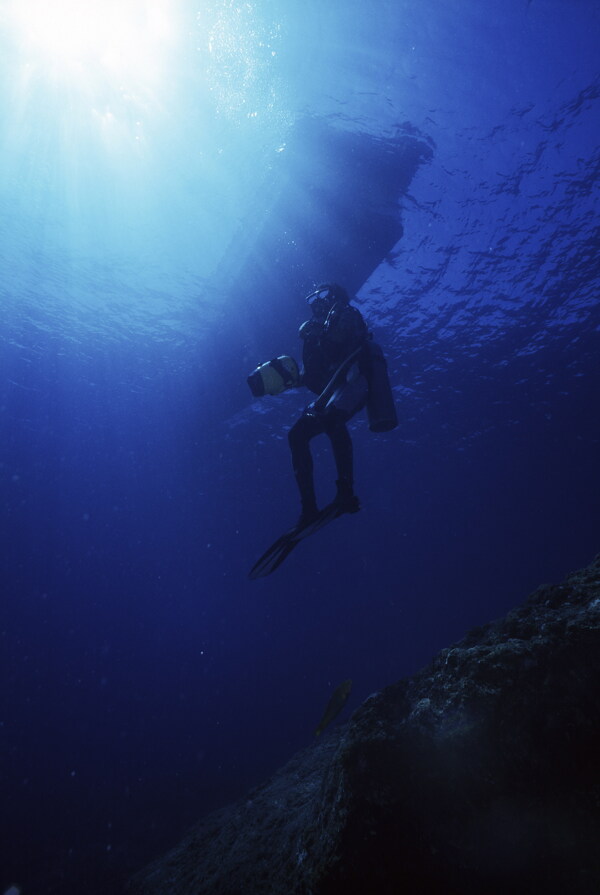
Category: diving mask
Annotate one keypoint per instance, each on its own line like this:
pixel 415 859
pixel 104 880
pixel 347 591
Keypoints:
pixel 320 301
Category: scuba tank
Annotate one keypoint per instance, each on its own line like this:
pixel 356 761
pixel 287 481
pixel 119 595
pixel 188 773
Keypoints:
pixel 274 376
pixel 381 409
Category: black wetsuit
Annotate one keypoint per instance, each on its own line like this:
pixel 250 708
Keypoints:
pixel 326 345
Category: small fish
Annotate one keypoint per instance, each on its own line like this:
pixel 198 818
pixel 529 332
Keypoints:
pixel 334 706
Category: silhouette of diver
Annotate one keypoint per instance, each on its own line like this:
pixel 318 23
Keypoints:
pixel 347 371
pixel 334 341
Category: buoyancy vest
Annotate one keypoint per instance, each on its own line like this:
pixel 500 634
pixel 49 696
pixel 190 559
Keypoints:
pixel 327 344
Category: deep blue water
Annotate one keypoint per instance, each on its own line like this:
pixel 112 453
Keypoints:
pixel 163 211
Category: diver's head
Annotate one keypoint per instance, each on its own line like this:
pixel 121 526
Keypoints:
pixel 325 296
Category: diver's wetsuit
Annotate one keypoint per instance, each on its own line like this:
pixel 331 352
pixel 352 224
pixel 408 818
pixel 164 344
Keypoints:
pixel 327 343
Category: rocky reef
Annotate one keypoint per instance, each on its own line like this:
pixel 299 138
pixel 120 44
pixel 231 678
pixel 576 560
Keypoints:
pixel 478 775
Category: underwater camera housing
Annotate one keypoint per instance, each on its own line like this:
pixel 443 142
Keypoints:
pixel 274 376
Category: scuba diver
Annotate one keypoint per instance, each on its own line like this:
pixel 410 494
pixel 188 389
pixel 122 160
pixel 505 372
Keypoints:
pixel 333 339
pixel 347 371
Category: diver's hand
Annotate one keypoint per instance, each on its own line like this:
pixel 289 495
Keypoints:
pixel 310 328
pixel 314 408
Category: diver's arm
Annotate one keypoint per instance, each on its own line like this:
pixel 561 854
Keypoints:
pixel 320 403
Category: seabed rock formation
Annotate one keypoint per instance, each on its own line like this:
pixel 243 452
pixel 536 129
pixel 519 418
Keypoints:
pixel 478 775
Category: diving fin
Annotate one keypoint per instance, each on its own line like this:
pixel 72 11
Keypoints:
pixel 283 546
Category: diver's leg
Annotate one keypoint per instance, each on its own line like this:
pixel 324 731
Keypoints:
pixel 299 438
pixel 346 401
pixel 343 454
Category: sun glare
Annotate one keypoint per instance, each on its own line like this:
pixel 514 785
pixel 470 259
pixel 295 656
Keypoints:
pixel 121 38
